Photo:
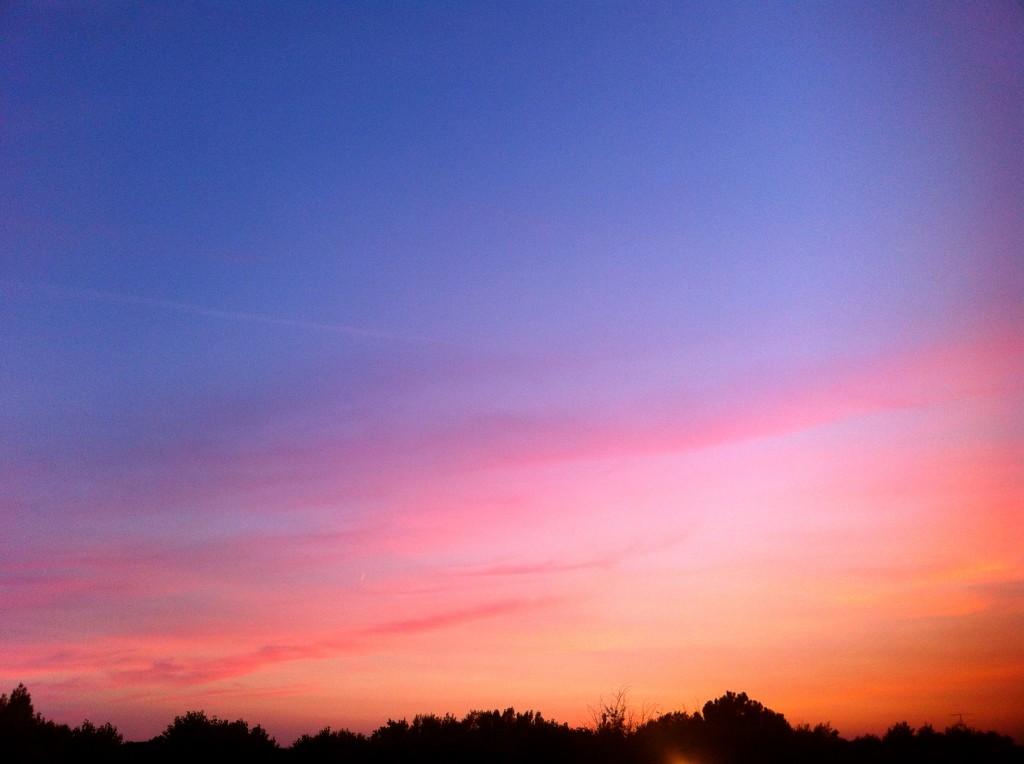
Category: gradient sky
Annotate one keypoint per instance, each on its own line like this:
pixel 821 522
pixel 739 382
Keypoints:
pixel 364 360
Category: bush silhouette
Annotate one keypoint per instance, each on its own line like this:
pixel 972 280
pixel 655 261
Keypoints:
pixel 741 729
pixel 196 737
pixel 25 736
pixel 730 729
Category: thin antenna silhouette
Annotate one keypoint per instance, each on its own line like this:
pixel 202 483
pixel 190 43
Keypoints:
pixel 960 715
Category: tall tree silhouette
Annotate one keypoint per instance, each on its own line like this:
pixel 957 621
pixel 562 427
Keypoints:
pixel 197 737
pixel 739 728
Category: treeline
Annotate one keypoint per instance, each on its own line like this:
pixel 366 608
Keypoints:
pixel 729 730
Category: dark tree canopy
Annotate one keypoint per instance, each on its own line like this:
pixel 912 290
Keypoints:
pixel 728 730
pixel 25 736
pixel 195 736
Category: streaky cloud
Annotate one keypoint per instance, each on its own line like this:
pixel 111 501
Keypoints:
pixel 127 668
pixel 603 562
pixel 121 298
pixel 450 618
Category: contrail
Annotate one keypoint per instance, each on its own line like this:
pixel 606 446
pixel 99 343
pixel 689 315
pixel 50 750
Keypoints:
pixel 237 315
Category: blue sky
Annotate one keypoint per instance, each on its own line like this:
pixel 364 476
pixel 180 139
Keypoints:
pixel 308 277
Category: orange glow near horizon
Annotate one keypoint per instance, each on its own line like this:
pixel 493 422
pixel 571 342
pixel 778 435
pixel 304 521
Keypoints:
pixel 789 584
pixel 362 360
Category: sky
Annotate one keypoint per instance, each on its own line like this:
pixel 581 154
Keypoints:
pixel 360 360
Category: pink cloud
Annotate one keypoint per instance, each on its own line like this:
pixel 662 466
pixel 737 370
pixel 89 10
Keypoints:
pixel 461 524
pixel 611 559
pixel 126 664
pixel 451 619
pixel 294 463
pixel 187 672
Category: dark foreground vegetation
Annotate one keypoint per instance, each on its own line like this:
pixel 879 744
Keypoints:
pixel 732 728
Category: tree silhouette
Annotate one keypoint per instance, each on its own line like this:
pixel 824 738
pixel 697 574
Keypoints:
pixel 96 743
pixel 196 737
pixel 25 736
pixel 671 737
pixel 727 730
pixel 331 745
pixel 741 729
pixel 819 743
pixel 18 725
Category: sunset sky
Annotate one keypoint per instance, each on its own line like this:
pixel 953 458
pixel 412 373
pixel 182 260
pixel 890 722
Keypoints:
pixel 360 360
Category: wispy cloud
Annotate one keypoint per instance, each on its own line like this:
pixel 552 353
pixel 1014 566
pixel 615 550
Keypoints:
pixel 132 668
pixel 450 619
pixel 185 672
pixel 603 562
pixel 121 298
